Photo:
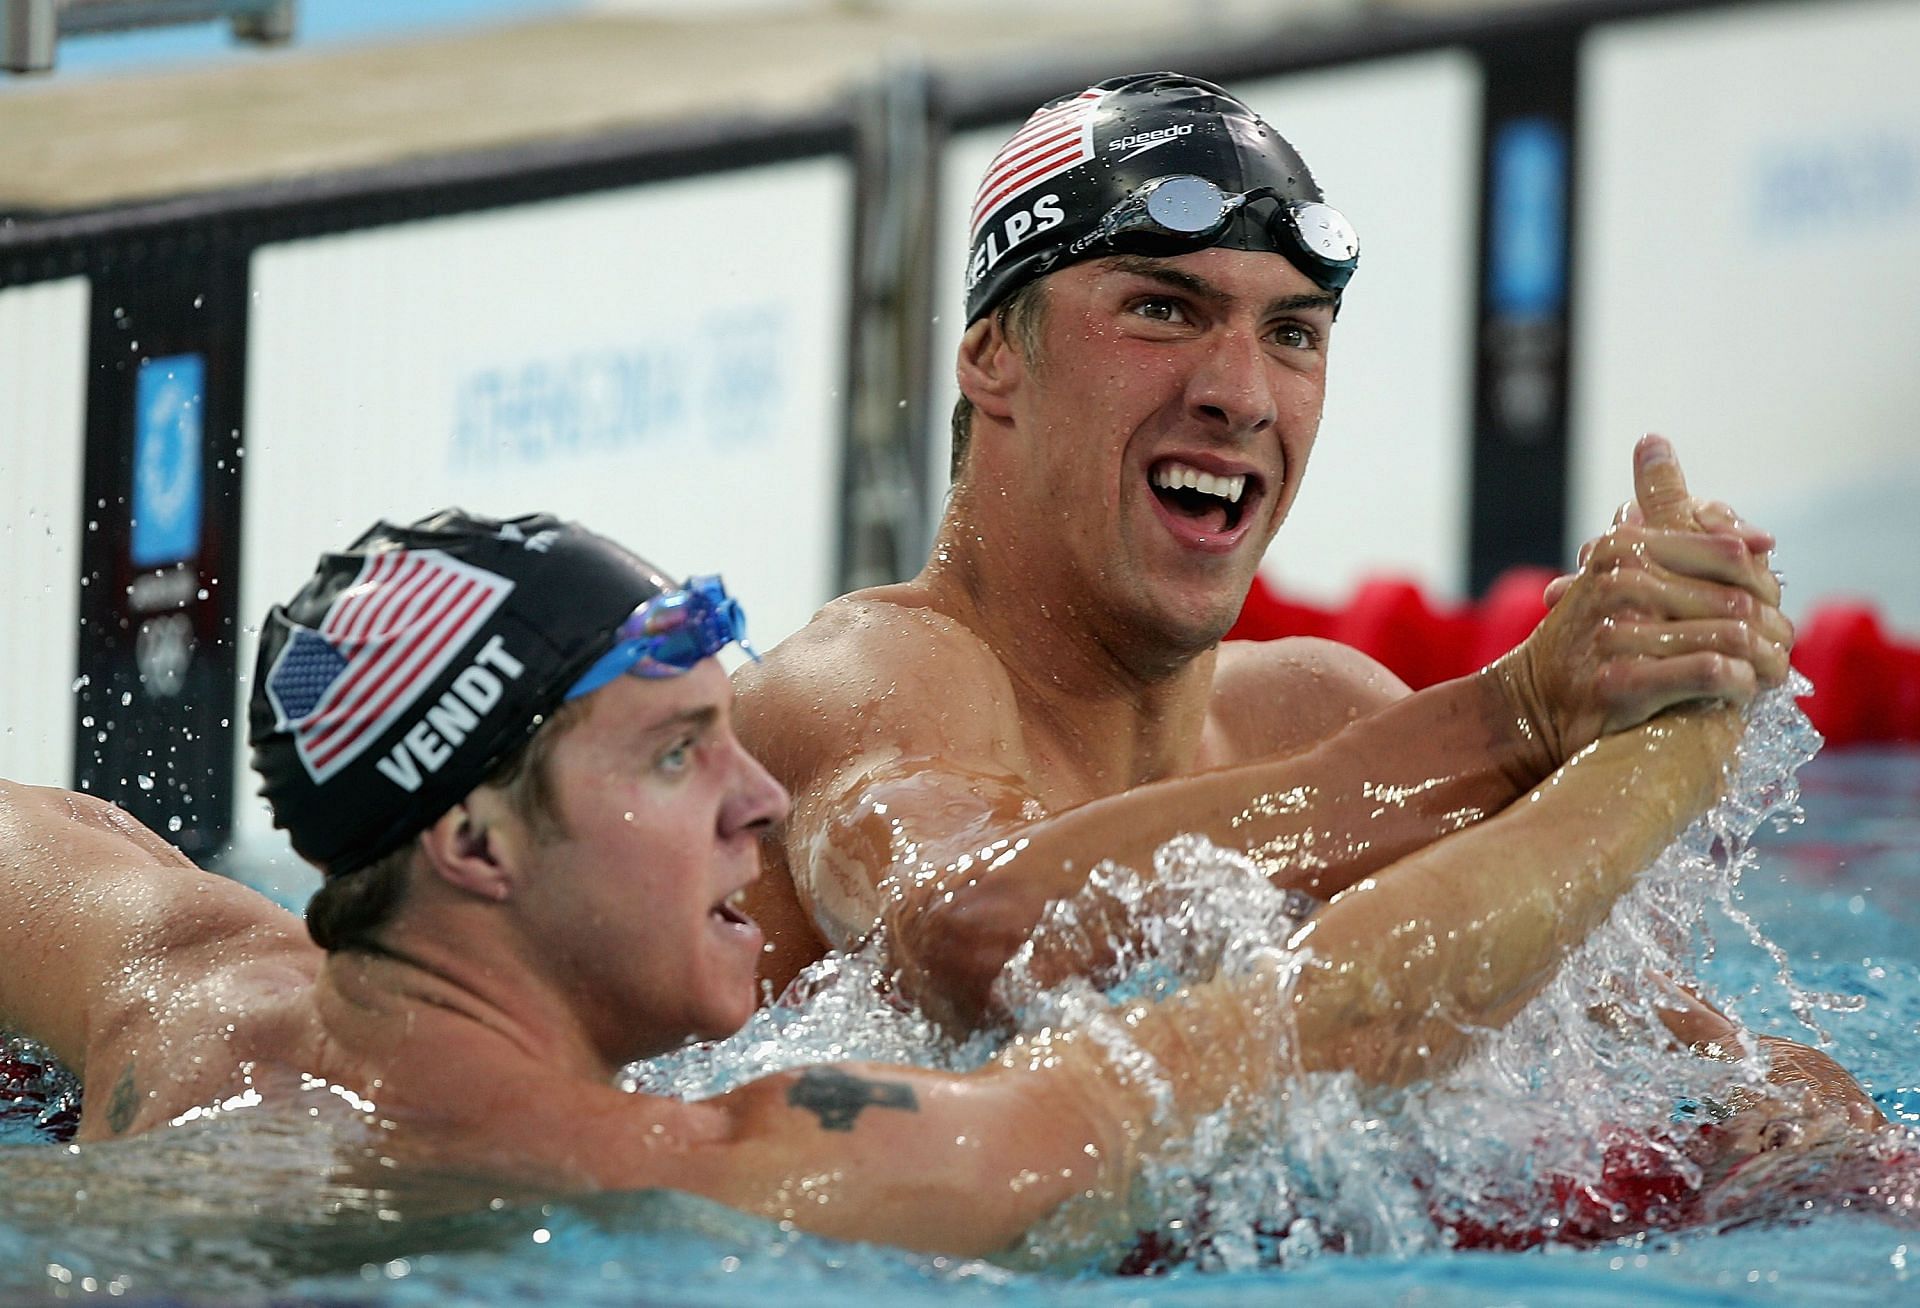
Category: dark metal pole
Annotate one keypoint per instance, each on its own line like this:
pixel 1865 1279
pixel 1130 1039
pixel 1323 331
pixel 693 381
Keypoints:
pixel 886 520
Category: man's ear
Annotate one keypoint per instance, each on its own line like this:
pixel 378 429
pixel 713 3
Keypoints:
pixel 990 366
pixel 475 850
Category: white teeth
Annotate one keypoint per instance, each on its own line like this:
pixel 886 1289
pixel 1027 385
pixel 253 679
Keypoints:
pixel 1178 476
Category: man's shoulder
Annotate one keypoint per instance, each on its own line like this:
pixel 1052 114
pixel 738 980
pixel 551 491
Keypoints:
pixel 898 621
pixel 876 672
pixel 868 647
pixel 1246 666
pixel 1277 695
pixel 237 1018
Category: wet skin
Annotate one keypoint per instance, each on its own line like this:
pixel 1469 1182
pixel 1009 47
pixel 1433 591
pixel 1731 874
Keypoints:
pixel 660 812
pixel 481 1040
pixel 1049 691
pixel 521 968
pixel 520 972
pixel 1216 361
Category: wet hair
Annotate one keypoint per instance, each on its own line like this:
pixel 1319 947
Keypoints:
pixel 350 910
pixel 1023 317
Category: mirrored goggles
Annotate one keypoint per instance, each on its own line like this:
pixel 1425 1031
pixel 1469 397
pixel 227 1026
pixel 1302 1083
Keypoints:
pixel 669 634
pixel 1192 212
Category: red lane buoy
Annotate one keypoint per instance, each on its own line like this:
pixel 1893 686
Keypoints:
pixel 1866 682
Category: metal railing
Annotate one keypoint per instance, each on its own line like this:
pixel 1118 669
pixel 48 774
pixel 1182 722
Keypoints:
pixel 30 30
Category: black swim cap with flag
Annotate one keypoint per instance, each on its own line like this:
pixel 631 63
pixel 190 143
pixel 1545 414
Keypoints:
pixel 1154 163
pixel 413 662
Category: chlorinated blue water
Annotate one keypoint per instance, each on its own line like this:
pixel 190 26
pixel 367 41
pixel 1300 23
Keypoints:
pixel 253 1211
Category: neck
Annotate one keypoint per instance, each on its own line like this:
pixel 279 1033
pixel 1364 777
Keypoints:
pixel 418 1003
pixel 1126 708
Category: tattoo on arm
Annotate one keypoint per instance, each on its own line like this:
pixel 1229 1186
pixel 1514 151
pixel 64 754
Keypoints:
pixel 837 1098
pixel 124 1102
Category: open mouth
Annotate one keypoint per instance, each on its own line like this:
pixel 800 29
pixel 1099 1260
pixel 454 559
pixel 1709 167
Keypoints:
pixel 1212 502
pixel 729 910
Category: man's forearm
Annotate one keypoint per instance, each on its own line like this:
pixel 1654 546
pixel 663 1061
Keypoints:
pixel 1400 972
pixel 1403 968
pixel 1320 820
pixel 1391 783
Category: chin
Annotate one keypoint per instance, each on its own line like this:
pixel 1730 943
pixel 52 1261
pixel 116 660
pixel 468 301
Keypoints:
pixel 1199 623
pixel 726 1017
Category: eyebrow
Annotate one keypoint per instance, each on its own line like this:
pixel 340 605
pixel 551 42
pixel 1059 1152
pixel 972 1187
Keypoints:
pixel 1155 270
pixel 701 717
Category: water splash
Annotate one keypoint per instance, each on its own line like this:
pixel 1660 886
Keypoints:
pixel 1576 1121
pixel 845 1008
pixel 39 1098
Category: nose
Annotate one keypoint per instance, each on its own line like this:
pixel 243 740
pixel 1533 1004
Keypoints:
pixel 757 801
pixel 1231 388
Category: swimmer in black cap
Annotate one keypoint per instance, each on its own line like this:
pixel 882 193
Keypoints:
pixel 535 722
pixel 1152 287
pixel 417 659
pixel 418 664
pixel 1152 165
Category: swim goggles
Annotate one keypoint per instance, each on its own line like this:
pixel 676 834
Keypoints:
pixel 1192 212
pixel 669 634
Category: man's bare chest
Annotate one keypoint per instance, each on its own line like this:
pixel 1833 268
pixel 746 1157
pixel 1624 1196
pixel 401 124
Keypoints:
pixel 1064 771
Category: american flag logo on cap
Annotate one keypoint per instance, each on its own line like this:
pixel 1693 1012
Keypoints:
pixel 385 639
pixel 1052 141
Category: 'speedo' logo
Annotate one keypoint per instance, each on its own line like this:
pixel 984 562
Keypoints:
pixel 1141 142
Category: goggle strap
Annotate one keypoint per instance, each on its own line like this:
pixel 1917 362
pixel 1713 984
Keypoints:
pixel 669 634
pixel 1133 215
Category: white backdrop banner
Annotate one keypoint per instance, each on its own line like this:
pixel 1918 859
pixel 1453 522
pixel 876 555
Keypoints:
pixel 1748 276
pixel 614 358
pixel 43 393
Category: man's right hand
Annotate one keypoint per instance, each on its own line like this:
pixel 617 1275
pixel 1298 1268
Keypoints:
pixel 1812 1076
pixel 1665 610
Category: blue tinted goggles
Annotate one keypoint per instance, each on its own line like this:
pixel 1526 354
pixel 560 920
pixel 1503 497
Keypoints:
pixel 1188 212
pixel 669 634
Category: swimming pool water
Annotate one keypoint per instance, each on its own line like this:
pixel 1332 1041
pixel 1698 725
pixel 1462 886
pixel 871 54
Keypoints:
pixel 256 1213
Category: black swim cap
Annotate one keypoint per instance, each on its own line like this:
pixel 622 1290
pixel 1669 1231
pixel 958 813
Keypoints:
pixel 413 662
pixel 1080 156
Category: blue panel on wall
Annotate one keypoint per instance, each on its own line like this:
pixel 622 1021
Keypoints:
pixel 1526 270
pixel 168 464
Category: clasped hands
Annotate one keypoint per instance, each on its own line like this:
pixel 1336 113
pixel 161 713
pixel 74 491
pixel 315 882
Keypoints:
pixel 1675 603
